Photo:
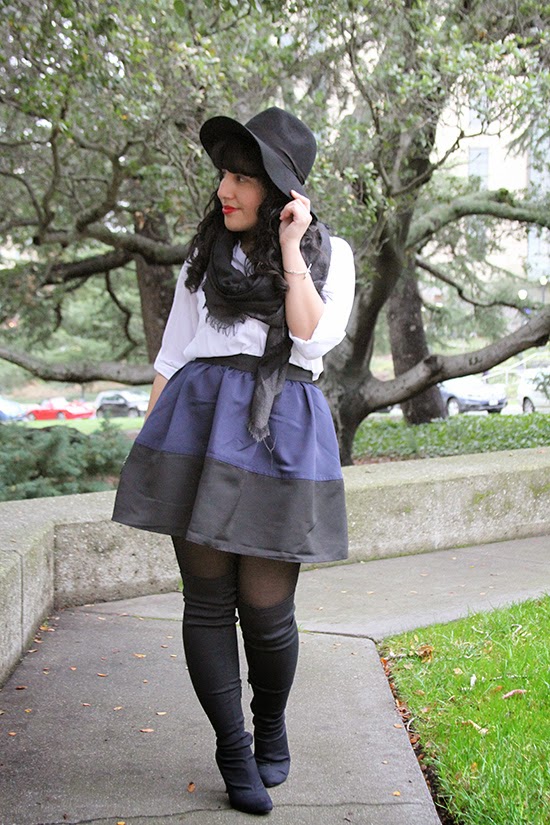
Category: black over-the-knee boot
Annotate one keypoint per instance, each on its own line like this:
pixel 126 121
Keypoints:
pixel 271 645
pixel 211 651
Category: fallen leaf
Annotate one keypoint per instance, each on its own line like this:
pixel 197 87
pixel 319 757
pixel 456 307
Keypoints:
pixel 425 652
pixel 140 655
pixel 191 787
pixel 164 646
pixel 21 687
pixel 28 710
pixel 72 668
pixel 146 730
pixel 161 712
pixel 121 822
pixel 102 674
pixel 396 793
pixel 173 655
pixel 479 729
pixel 458 671
pixel 398 725
pixel 516 692
pixel 32 650
pixel 118 707
pixel 12 733
pixel 101 618
pixel 85 704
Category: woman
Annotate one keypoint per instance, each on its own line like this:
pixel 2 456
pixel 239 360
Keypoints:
pixel 238 458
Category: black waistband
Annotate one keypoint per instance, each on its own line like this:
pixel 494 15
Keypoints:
pixel 249 363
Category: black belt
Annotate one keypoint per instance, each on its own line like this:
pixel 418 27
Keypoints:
pixel 249 363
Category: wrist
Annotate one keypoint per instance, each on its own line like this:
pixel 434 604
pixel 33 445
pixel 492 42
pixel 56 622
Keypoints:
pixel 290 246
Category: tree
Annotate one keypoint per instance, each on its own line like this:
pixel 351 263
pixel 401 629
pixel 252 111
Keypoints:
pixel 410 63
pixel 102 167
pixel 100 107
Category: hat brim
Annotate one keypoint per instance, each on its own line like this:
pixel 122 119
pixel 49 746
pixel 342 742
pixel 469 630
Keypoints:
pixel 222 128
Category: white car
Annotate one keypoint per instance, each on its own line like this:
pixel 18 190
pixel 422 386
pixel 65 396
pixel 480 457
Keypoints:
pixel 113 403
pixel 530 397
pixel 469 393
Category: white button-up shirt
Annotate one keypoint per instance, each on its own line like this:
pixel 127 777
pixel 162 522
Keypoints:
pixel 188 335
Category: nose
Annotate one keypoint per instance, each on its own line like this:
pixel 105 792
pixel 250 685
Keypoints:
pixel 225 191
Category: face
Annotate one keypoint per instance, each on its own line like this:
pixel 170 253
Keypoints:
pixel 241 196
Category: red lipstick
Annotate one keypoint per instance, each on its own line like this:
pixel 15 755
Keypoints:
pixel 228 210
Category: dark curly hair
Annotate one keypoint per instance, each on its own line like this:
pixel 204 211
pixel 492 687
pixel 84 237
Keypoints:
pixel 264 250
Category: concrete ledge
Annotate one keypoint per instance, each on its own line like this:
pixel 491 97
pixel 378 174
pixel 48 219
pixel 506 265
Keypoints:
pixel 65 551
pixel 438 503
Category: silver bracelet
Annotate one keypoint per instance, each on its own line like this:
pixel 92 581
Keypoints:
pixel 303 273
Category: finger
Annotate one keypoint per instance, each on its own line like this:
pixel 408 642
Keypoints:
pixel 302 198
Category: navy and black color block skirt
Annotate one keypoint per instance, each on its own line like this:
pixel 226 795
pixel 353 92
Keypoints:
pixel 195 471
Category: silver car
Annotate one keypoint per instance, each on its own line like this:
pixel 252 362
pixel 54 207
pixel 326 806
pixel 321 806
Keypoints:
pixel 531 395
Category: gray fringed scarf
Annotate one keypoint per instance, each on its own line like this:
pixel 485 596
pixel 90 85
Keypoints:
pixel 232 296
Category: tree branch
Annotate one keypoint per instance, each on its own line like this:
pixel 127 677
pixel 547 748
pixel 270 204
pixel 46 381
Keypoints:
pixel 437 273
pixel 81 372
pixel 497 204
pixel 152 251
pixel 24 182
pixel 88 266
pixel 128 242
pixel 435 368
pixel 125 311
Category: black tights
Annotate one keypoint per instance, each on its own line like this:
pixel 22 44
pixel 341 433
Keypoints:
pixel 216 585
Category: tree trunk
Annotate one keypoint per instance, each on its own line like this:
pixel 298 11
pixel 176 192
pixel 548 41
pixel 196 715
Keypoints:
pixel 409 345
pixel 155 282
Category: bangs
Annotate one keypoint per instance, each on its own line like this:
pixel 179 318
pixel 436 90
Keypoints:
pixel 239 158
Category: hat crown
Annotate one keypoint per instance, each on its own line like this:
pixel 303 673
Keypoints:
pixel 288 137
pixel 287 145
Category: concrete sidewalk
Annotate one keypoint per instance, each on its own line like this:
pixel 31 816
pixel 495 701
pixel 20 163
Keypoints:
pixel 108 730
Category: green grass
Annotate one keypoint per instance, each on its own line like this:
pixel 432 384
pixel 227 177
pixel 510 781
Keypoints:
pixel 459 435
pixel 490 751
pixel 87 425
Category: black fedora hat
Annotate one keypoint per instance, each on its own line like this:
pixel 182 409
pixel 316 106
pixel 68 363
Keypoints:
pixel 287 146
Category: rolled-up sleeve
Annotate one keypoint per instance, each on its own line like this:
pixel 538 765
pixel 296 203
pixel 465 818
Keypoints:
pixel 338 293
pixel 180 329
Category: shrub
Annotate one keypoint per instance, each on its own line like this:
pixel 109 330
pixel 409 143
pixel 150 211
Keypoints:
pixel 57 460
pixel 459 435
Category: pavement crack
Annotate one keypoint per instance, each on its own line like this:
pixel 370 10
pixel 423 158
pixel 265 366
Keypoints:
pixel 344 634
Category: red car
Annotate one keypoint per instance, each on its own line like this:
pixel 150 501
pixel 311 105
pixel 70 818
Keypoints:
pixel 60 408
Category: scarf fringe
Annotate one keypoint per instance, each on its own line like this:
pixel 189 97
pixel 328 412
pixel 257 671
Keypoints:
pixel 258 433
pixel 225 327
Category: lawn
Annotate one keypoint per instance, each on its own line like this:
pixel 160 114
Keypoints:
pixel 476 693
pixel 88 425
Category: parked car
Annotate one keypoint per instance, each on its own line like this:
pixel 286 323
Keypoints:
pixel 11 410
pixel 470 393
pixel 60 408
pixel 531 398
pixel 132 403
